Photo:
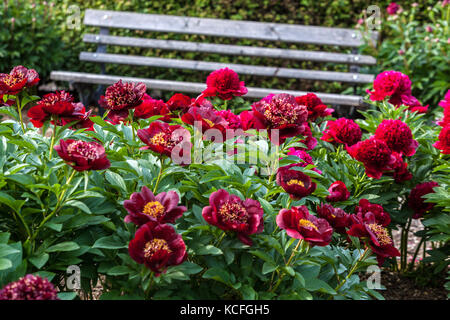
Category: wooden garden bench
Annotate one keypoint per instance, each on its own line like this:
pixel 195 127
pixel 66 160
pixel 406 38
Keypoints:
pixel 291 33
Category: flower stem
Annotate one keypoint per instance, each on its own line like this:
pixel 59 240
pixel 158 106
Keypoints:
pixel 19 110
pixel 57 207
pixel 158 179
pixel 220 239
pixel 287 264
pixel 52 143
pixel 147 292
pixel 353 269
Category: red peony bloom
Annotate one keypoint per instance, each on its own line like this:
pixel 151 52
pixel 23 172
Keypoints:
pixel 294 182
pixel 165 139
pixel 151 107
pixel 416 202
pixel 179 102
pixel 393 8
pixel 443 143
pixel 381 217
pixel 30 287
pixel 310 142
pixel 120 97
pixel 59 104
pixel 233 120
pixel 144 206
pixel 336 217
pixel 375 156
pixel 315 106
pixel 229 212
pixel 342 130
pixel 82 155
pixel 303 155
pixel 19 77
pixel 397 136
pixel 225 84
pixel 338 192
pixel 400 168
pixel 300 224
pixel 379 240
pixel 208 119
pixel 446 105
pixel 414 104
pixel 81 117
pixel 280 112
pixel 158 246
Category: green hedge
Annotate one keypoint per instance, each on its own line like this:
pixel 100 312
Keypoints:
pixel 58 46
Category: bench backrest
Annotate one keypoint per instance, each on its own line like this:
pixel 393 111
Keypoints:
pixel 228 28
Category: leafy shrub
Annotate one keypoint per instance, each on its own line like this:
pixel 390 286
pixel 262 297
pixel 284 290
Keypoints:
pixel 71 206
pixel 31 35
pixel 417 47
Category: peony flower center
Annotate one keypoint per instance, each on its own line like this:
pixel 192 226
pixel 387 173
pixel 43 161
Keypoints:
pixel 16 78
pixel 233 212
pixel 295 182
pixel 282 112
pixel 209 122
pixel 381 234
pixel 154 209
pixel 303 223
pixel 154 246
pixel 162 139
pixel 84 149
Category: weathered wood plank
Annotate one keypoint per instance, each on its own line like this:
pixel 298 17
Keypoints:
pixel 239 68
pixel 278 53
pixel 193 87
pixel 225 28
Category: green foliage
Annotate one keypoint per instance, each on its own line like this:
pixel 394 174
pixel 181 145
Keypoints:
pixel 415 42
pixel 31 36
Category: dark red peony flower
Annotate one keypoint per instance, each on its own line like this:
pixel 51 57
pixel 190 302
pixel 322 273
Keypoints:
pixel 393 8
pixel 151 107
pixel 443 143
pixel 19 77
pixel 165 139
pixel 179 102
pixel 416 202
pixel 120 97
pixel 446 105
pixel 294 182
pixel 30 287
pixel 379 240
pixel 207 118
pixel 158 246
pixel 338 192
pixel 375 155
pixel 391 84
pixel 82 155
pixel 397 136
pixel 300 224
pixel 310 142
pixel 336 217
pixel 342 130
pixel 144 206
pixel 414 104
pixel 59 104
pixel 400 168
pixel 303 155
pixel 381 217
pixel 316 109
pixel 81 117
pixel 229 212
pixel 280 112
pixel 233 120
pixel 225 84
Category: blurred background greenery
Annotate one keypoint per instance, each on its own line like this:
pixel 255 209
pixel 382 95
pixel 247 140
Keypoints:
pixel 36 34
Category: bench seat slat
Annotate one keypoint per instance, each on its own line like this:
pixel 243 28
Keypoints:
pixel 239 68
pixel 231 49
pixel 193 87
pixel 226 28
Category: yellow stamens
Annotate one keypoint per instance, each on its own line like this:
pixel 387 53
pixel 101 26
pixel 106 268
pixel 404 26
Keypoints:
pixel 154 209
pixel 296 182
pixel 303 223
